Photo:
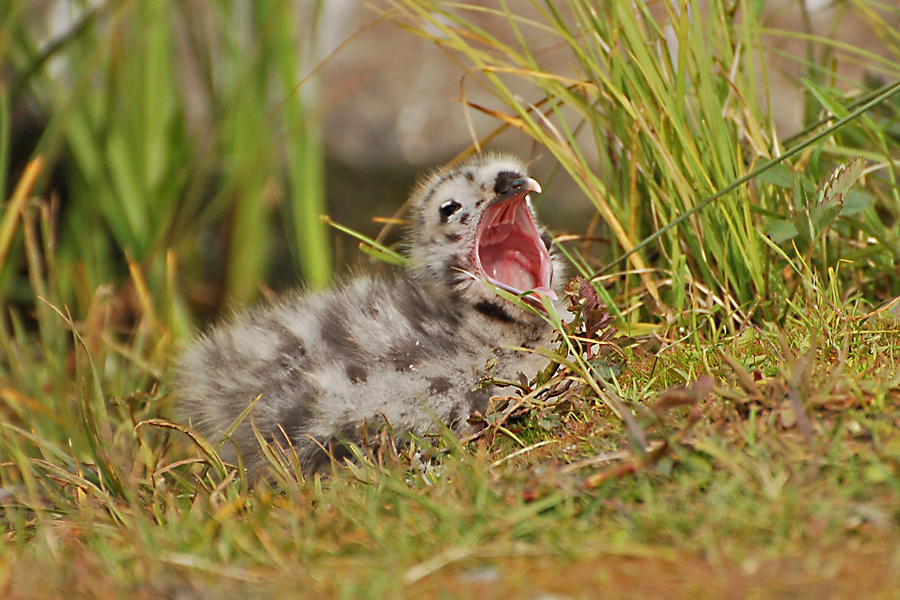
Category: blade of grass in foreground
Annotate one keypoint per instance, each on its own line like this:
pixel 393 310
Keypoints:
pixel 368 245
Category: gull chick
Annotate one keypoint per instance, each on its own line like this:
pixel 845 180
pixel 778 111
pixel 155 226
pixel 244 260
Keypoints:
pixel 407 350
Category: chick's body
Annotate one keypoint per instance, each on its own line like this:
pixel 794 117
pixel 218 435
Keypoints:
pixel 407 350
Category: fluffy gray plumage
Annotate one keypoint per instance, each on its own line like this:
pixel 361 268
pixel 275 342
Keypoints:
pixel 407 349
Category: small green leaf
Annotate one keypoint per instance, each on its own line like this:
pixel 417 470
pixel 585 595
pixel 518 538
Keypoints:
pixel 606 370
pixel 780 230
pixel 804 224
pixel 780 175
pixel 824 215
pixel 856 201
pixel 826 97
pixel 835 187
pixel 831 193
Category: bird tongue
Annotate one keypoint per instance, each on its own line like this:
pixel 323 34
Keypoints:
pixel 509 249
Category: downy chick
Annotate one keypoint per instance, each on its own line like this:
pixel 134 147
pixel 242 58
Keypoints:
pixel 407 349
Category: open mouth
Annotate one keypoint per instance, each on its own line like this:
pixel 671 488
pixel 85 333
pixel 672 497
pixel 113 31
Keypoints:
pixel 509 251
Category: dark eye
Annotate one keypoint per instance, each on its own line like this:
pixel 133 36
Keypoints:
pixel 447 209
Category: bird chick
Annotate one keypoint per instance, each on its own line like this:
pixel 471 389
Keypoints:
pixel 406 350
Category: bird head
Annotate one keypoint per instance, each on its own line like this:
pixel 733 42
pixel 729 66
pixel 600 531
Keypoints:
pixel 473 223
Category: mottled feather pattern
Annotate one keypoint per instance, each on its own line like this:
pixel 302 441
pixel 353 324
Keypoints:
pixel 407 350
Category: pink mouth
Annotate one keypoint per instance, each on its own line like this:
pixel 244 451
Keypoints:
pixel 509 251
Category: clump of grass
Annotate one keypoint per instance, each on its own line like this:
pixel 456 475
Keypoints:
pixel 654 112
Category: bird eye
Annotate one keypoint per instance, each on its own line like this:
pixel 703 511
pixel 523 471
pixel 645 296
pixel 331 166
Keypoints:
pixel 447 209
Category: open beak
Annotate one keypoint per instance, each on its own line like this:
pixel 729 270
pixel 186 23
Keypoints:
pixel 509 252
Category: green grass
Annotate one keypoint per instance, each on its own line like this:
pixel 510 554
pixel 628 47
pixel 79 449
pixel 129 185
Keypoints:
pixel 742 441
pixel 674 127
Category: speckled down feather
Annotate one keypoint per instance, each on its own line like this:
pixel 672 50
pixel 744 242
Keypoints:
pixel 407 350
